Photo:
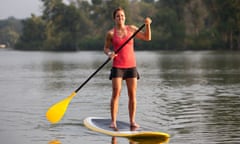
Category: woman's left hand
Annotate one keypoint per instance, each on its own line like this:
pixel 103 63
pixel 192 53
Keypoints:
pixel 148 20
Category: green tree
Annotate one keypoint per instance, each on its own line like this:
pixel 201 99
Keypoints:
pixel 225 22
pixel 33 34
pixel 176 5
pixel 198 34
pixel 62 25
pixel 170 24
pixel 177 24
pixel 10 30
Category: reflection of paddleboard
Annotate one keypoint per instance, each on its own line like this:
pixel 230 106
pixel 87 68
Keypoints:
pixel 101 125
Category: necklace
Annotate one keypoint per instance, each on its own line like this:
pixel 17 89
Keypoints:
pixel 121 32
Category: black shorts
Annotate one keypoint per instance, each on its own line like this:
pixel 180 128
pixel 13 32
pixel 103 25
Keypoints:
pixel 124 73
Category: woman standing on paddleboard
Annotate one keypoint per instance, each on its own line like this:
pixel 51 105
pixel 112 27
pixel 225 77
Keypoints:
pixel 124 62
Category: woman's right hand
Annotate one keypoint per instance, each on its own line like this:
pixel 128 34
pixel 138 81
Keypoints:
pixel 111 54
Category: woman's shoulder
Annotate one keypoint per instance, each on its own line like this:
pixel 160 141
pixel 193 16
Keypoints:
pixel 132 28
pixel 110 32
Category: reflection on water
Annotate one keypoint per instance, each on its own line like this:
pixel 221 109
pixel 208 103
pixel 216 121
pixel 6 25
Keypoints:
pixel 54 142
pixel 114 140
pixel 193 96
pixel 142 141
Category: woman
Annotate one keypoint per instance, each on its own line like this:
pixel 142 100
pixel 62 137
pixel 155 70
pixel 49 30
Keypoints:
pixel 124 63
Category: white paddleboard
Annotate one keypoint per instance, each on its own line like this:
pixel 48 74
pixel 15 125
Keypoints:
pixel 101 125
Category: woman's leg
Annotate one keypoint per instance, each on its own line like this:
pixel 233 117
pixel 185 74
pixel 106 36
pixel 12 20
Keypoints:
pixel 132 104
pixel 116 90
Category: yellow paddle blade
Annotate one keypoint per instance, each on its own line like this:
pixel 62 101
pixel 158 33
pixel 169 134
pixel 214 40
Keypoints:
pixel 57 111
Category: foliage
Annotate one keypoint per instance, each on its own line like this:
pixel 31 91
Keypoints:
pixel 62 25
pixel 10 30
pixel 31 39
pixel 225 17
pixel 177 24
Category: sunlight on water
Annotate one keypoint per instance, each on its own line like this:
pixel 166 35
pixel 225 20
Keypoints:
pixel 193 96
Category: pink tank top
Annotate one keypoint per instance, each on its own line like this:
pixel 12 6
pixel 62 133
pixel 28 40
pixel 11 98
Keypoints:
pixel 126 56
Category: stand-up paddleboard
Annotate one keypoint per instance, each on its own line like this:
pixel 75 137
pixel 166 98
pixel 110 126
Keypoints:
pixel 101 125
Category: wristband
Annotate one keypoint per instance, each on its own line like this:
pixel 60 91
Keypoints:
pixel 109 53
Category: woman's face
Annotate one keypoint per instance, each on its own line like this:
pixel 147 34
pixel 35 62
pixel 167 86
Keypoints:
pixel 120 17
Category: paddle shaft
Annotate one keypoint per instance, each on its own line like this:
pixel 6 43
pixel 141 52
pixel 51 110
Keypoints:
pixel 100 67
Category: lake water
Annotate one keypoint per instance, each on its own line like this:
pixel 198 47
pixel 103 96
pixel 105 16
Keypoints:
pixel 193 96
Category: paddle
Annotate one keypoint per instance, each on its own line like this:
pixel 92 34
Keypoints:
pixel 57 111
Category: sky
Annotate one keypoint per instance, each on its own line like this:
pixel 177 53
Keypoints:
pixel 19 8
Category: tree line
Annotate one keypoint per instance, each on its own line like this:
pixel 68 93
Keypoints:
pixel 10 30
pixel 177 24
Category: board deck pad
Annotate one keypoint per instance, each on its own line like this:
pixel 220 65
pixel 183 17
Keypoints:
pixel 101 125
pixel 104 123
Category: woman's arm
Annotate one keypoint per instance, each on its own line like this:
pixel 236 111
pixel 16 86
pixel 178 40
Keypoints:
pixel 107 45
pixel 146 35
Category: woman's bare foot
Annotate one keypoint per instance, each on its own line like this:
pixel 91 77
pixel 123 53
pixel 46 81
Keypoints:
pixel 135 125
pixel 113 126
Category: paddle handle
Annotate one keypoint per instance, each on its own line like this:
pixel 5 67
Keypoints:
pixel 100 67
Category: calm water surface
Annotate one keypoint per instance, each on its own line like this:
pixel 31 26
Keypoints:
pixel 193 96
